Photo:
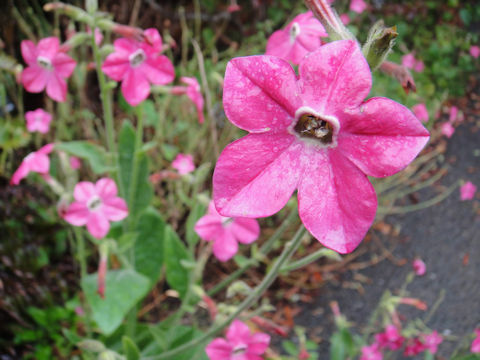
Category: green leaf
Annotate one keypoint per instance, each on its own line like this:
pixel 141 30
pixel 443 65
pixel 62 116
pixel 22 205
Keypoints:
pixel 150 113
pixel 174 252
pixel 130 349
pixel 94 154
pixel 169 151
pixel 149 244
pixel 196 213
pixel 124 288
pixel 342 345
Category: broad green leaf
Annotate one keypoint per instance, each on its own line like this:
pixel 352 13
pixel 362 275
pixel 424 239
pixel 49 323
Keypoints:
pixel 196 213
pixel 342 345
pixel 124 288
pixel 174 252
pixel 94 154
pixel 130 349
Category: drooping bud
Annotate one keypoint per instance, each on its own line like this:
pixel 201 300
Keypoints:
pixel 379 43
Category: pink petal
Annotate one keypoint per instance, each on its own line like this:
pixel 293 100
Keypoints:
pixel 98 225
pixel 20 173
pixel 34 78
pixel 467 191
pixel 474 51
pixel 260 93
pixel 57 88
pixel 63 65
pixel 116 66
pixel 105 188
pixel 335 77
pixel 135 87
pixel 336 202
pixel 408 61
pixel 245 230
pixel 279 44
pixel 125 47
pixel 419 267
pixel 258 343
pixel 358 6
pixel 238 331
pixel 84 191
pixel 29 52
pixel 40 163
pixel 115 209
pixel 45 149
pixel 158 70
pixel 153 38
pixel 421 112
pixel 219 349
pixel 209 226
pixel 382 138
pixel 48 47
pixel 225 246
pixel 256 175
pixel 447 129
pixel 77 214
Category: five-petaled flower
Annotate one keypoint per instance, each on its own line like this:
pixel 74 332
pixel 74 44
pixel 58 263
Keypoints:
pixel 137 64
pixel 48 67
pixel 302 35
pixel 226 232
pixel 96 205
pixel 371 352
pixel 239 344
pixel 313 133
pixel 38 120
pixel 37 161
pixel 391 338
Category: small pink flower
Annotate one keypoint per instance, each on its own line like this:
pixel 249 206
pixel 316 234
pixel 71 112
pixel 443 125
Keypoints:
pixel 421 112
pixel 301 36
pixel 475 347
pixel 419 267
pixel 454 115
pixel 475 51
pixel 419 66
pixel 193 91
pixel 183 163
pixel 226 232
pixel 75 162
pixel 239 344
pixel 431 341
pixel 37 161
pixel 371 352
pixel 96 205
pixel 233 7
pixel 38 120
pixel 447 129
pixel 467 191
pixel 410 62
pixel 358 6
pixel 137 64
pixel 312 132
pixel 345 19
pixel 48 67
pixel 414 347
pixel 390 338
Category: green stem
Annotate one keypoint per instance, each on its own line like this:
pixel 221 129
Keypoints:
pixel 287 252
pixel 308 259
pixel 81 252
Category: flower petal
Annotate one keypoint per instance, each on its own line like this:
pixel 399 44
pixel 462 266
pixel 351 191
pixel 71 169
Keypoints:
pixel 34 78
pixel 98 225
pixel 105 188
pixel 382 138
pixel 57 88
pixel 279 44
pixel 225 246
pixel 125 47
pixel 40 163
pixel 238 332
pixel 245 230
pixel 258 343
pixel 20 173
pixel 334 77
pixel 153 39
pixel 158 70
pixel 76 214
pixel 83 191
pixel 116 66
pixel 260 93
pixel 29 52
pixel 256 175
pixel 48 47
pixel 209 226
pixel 135 87
pixel 336 202
pixel 115 209
pixel 63 65
pixel 219 349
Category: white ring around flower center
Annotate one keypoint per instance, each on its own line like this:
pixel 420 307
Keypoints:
pixel 44 62
pixel 239 349
pixel 137 58
pixel 294 31
pixel 94 203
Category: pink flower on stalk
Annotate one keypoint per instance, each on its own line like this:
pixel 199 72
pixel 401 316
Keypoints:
pixel 313 133
pixel 226 232
pixel 48 67
pixel 410 62
pixel 239 344
pixel 447 129
pixel 137 64
pixel 358 6
pixel 301 36
pixel 38 120
pixel 431 341
pixel 475 347
pixel 183 163
pixel 96 205
pixel 475 51
pixel 390 338
pixel 371 352
pixel 467 191
pixel 421 112
pixel 193 91
pixel 419 267
pixel 37 161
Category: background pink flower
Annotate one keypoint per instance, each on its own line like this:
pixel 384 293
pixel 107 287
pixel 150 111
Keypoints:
pixel 447 129
pixel 475 51
pixel 38 120
pixel 75 162
pixel 414 347
pixel 410 62
pixel 475 347
pixel 431 341
pixel 183 163
pixel 371 352
pixel 390 338
pixel 358 6
pixel 239 344
pixel 193 91
pixel 96 205
pixel 48 67
pixel 467 191
pixel 37 161
pixel 421 112
pixel 419 267
pixel 137 65
pixel 226 232
pixel 302 35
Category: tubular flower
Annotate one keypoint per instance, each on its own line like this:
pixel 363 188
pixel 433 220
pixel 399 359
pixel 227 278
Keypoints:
pixel 37 161
pixel 38 120
pixel 137 64
pixel 48 67
pixel 313 133
pixel 300 37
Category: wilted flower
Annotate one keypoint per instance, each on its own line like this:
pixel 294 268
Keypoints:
pixel 467 191
pixel 239 344
pixel 96 205
pixel 137 64
pixel 475 347
pixel 421 112
pixel 301 36
pixel 419 267
pixel 193 91
pixel 475 51
pixel 390 338
pixel 431 341
pixel 226 232
pixel 37 161
pixel 358 6
pixel 48 67
pixel 371 352
pixel 38 120
pixel 183 163
pixel 313 133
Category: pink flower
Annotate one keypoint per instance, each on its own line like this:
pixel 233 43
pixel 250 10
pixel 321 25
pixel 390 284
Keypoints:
pixel 414 347
pixel 467 191
pixel 193 91
pixel 98 35
pixel 419 66
pixel 358 6
pixel 313 133
pixel 233 7
pixel 183 163
pixel 475 347
pixel 38 120
pixel 455 115
pixel 75 162
pixel 431 341
pixel 475 51
pixel 226 232
pixel 96 205
pixel 37 161
pixel 421 112
pixel 48 67
pixel 301 36
pixel 345 19
pixel 239 345
pixel 371 352
pixel 447 129
pixel 137 65
pixel 390 338
pixel 410 62
pixel 419 267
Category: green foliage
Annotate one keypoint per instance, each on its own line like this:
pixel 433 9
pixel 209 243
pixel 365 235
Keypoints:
pixel 130 349
pixel 342 345
pixel 94 154
pixel 174 253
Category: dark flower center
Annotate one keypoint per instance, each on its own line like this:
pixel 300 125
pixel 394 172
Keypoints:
pixel 239 349
pixel 294 31
pixel 44 63
pixel 94 203
pixel 314 127
pixel 137 58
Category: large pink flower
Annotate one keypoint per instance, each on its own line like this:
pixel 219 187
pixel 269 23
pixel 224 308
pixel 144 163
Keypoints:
pixel 37 161
pixel 301 36
pixel 137 65
pixel 96 205
pixel 38 120
pixel 226 232
pixel 48 67
pixel 313 133
pixel 240 344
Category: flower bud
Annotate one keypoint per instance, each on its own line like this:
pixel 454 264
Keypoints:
pixel 379 43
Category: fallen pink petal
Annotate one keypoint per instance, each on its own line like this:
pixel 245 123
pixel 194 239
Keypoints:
pixel 38 120
pixel 467 191
pixel 419 267
pixel 183 163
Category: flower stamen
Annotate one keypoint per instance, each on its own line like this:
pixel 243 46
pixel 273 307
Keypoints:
pixel 294 32
pixel 137 58
pixel 311 126
pixel 44 62
pixel 94 203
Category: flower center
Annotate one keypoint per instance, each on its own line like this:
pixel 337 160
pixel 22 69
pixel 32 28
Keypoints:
pixel 294 32
pixel 311 126
pixel 239 349
pixel 94 203
pixel 226 221
pixel 44 62
pixel 137 58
